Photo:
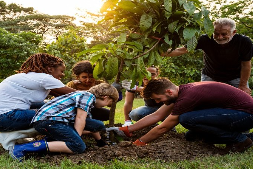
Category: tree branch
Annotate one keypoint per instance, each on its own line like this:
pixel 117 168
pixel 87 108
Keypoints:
pixel 147 51
pixel 245 24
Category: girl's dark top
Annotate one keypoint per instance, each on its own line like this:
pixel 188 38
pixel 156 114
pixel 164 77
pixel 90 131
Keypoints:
pixel 207 95
pixel 223 62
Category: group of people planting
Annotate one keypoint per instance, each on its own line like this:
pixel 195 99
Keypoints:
pixel 217 110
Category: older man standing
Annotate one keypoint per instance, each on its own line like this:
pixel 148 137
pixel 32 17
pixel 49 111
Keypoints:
pixel 227 55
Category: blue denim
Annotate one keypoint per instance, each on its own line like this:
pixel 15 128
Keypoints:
pixel 94 125
pixel 234 82
pixel 16 120
pixel 60 131
pixel 220 126
pixel 141 112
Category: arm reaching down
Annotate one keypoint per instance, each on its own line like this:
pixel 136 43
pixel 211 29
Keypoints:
pixel 245 75
pixel 80 121
pixel 159 115
pixel 153 118
pixel 170 122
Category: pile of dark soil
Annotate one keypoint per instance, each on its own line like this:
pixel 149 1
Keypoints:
pixel 170 147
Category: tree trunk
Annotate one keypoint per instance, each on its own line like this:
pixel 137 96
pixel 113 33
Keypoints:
pixel 112 121
pixel 113 106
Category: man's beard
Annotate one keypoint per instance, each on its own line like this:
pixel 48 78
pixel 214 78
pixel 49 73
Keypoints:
pixel 224 41
pixel 170 100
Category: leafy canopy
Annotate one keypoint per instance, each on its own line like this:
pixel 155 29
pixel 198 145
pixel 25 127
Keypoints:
pixel 145 28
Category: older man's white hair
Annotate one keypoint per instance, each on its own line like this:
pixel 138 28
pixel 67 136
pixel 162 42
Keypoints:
pixel 225 21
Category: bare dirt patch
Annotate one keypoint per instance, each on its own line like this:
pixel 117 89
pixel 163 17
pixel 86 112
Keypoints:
pixel 170 147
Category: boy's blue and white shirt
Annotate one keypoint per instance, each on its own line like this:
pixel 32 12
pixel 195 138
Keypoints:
pixel 64 108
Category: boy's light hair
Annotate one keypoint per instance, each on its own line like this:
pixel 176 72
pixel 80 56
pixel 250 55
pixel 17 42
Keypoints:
pixel 225 21
pixel 104 89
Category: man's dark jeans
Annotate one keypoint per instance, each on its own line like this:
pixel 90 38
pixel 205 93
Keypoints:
pixel 221 126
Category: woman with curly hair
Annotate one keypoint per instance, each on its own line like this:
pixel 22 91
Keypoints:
pixel 38 76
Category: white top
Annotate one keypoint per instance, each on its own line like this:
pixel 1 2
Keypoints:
pixel 19 91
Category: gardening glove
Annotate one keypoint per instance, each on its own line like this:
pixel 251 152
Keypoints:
pixel 126 84
pixel 138 142
pixel 127 123
pixel 121 131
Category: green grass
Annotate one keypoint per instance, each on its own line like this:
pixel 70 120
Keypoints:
pixel 230 161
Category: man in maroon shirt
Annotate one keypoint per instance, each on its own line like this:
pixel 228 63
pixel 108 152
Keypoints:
pixel 214 111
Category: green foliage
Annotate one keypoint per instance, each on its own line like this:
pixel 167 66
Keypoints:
pixel 15 48
pixel 67 47
pixel 144 28
pixel 160 20
pixel 183 69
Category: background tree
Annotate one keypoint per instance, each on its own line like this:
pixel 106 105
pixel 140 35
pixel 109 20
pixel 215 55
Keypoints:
pixel 97 31
pixel 183 69
pixel 67 47
pixel 15 18
pixel 15 48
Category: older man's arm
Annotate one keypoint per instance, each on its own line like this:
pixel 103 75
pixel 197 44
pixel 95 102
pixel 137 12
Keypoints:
pixel 176 52
pixel 245 75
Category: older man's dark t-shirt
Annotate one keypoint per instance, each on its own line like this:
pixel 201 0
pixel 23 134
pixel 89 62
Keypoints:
pixel 223 62
pixel 207 95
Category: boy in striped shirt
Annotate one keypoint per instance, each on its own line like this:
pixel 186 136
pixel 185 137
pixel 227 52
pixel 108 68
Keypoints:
pixel 65 118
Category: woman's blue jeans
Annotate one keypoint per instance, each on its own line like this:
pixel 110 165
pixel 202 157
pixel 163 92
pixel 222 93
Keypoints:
pixel 217 125
pixel 60 131
pixel 141 112
pixel 18 119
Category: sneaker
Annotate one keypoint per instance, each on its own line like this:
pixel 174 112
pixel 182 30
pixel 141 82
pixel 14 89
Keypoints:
pixel 241 146
pixel 127 123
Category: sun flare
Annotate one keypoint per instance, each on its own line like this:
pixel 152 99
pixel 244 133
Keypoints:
pixel 60 7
